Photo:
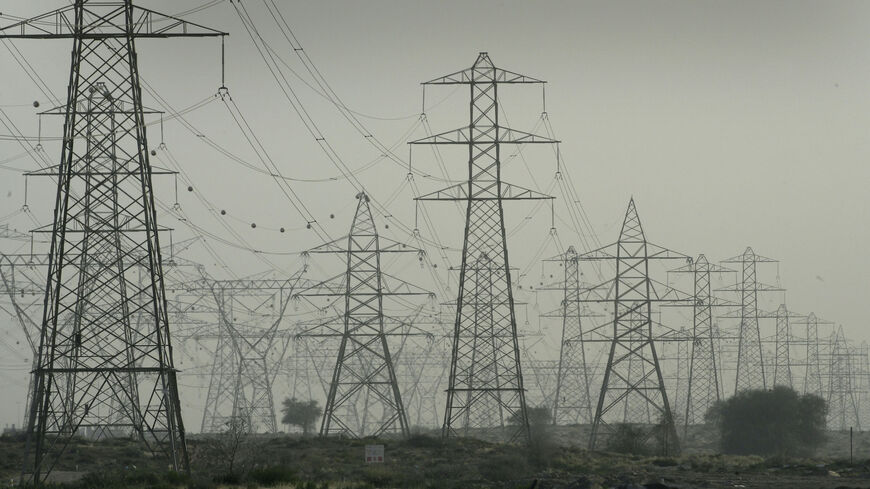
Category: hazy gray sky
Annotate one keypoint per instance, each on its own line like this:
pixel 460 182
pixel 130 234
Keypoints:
pixel 733 124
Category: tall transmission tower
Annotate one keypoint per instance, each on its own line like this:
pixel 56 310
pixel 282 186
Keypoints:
pixel 703 384
pixel 249 313
pixel 782 367
pixel 633 389
pixel 485 372
pixel 572 402
pixel 813 374
pixel 862 372
pixel 22 283
pixel 418 371
pixel 750 358
pixel 842 405
pixel 104 233
pixel 364 397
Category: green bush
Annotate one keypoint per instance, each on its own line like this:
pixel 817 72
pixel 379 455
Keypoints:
pixel 777 422
pixel 303 414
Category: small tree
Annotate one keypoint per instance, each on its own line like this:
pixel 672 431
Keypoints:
pixel 300 413
pixel 770 422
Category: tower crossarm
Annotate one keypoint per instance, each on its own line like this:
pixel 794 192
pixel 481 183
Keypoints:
pixel 387 245
pixel 611 252
pixel 104 20
pixel 485 134
pixel 482 71
pixel 485 190
pixel 658 291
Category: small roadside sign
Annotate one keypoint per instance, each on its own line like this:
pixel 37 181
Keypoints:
pixel 374 453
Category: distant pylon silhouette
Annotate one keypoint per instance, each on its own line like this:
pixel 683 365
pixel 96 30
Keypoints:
pixel 782 365
pixel 703 389
pixel 750 357
pixel 842 403
pixel 813 374
pixel 572 403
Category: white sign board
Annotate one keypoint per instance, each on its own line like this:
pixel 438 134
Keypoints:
pixel 374 453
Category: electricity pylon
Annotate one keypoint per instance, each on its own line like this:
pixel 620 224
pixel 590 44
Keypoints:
pixel 572 402
pixel 703 386
pixel 862 371
pixel 249 313
pixel 364 397
pixel 22 282
pixel 842 405
pixel 633 389
pixel 750 358
pixel 485 372
pixel 782 366
pixel 104 364
pixel 813 373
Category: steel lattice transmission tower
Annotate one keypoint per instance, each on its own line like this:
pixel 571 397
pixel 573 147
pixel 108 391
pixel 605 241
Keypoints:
pixel 104 352
pixel 22 283
pixel 249 313
pixel 750 358
pixel 633 389
pixel 813 374
pixel 485 372
pixel 782 366
pixel 703 385
pixel 862 383
pixel 572 402
pixel 842 405
pixel 364 397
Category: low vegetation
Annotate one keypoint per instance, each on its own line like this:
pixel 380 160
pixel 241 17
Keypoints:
pixel 303 414
pixel 556 459
pixel 777 422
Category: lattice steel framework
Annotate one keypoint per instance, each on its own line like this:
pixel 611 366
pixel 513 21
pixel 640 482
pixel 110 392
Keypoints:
pixel 782 365
pixel 485 372
pixel 813 373
pixel 750 357
pixel 633 389
pixel 105 356
pixel 842 404
pixel 22 282
pixel 572 402
pixel 861 369
pixel 703 385
pixel 249 314
pixel 364 398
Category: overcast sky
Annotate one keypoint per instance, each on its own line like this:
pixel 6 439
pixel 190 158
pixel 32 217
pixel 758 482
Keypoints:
pixel 733 124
